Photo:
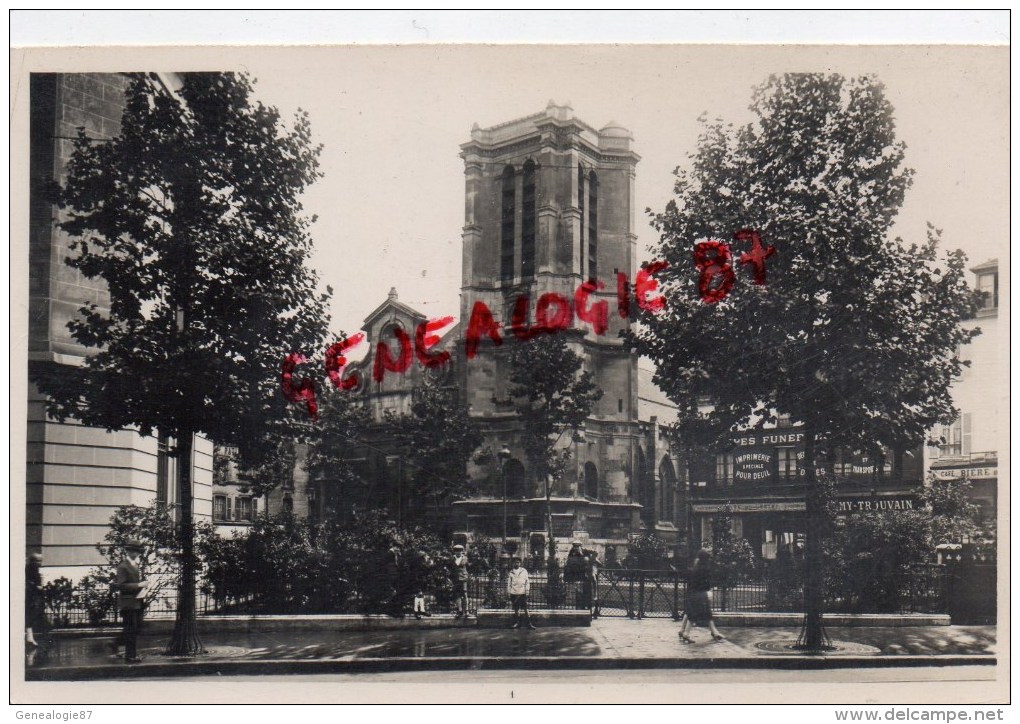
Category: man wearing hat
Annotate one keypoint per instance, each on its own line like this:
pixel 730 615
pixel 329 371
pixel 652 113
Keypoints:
pixel 130 586
pixel 460 579
pixel 573 571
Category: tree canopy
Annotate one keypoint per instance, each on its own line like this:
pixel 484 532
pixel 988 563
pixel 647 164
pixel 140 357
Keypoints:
pixel 551 394
pixel 438 437
pixel 851 332
pixel 192 218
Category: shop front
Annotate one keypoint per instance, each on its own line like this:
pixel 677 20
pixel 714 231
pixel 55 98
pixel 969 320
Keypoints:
pixel 760 484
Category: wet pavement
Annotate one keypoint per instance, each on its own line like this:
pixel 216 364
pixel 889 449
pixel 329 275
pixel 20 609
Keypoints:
pixel 607 643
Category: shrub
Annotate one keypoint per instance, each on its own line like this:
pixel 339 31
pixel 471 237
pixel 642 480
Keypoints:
pixel 96 596
pixel 57 599
pixel 648 552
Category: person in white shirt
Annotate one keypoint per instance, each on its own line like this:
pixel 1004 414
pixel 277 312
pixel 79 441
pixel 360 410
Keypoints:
pixel 518 585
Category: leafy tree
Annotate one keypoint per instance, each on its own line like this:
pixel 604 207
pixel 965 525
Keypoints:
pixel 732 557
pixel 870 555
pixel 437 438
pixel 551 395
pixel 191 216
pixel 848 331
pixel 954 516
pixel 334 441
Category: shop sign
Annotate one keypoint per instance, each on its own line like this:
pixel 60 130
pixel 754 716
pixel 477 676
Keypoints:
pixel 752 466
pixel 865 504
pixel 969 473
pixel 790 506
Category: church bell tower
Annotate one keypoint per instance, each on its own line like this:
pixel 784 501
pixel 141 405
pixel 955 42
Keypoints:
pixel 549 205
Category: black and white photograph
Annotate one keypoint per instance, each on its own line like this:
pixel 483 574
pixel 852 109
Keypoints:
pixel 511 373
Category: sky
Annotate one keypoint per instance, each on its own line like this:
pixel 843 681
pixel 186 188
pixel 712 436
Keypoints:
pixel 391 120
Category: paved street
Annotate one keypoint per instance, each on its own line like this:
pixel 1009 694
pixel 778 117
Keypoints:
pixel 607 644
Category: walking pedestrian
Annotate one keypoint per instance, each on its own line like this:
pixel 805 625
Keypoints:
pixel 460 580
pixel 699 598
pixel 130 587
pixel 518 586
pixel 35 607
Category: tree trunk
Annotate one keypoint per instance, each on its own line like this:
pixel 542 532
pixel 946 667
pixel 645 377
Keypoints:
pixel 185 640
pixel 548 518
pixel 814 594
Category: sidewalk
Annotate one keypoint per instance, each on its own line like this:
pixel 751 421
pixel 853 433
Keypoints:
pixel 606 644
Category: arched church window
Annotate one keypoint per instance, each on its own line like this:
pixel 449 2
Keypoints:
pixel 582 251
pixel 515 479
pixel 591 481
pixel 667 490
pixel 528 222
pixel 506 249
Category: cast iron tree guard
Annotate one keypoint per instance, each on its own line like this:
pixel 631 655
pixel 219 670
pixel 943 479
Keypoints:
pixel 786 294
pixel 191 218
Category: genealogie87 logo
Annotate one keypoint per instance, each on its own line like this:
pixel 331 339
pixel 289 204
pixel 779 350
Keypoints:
pixel 713 261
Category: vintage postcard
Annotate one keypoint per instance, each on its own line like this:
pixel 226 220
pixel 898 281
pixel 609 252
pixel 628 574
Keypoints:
pixel 578 373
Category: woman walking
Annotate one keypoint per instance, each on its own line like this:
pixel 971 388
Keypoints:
pixel 699 598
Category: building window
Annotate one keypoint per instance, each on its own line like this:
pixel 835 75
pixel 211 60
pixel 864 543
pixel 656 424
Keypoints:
pixel 245 509
pixel 288 504
pixel 724 469
pixel 593 225
pixel 528 222
pixel 506 253
pixel 786 463
pixel 163 469
pixel 582 253
pixel 313 506
pixel 951 440
pixel 988 285
pixel 219 507
pixel 667 490
pixel 591 481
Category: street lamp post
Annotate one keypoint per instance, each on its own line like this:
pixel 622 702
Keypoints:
pixel 504 455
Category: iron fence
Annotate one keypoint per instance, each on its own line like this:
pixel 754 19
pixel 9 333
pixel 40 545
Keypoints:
pixel 616 592
pixel 484 592
pixel 662 594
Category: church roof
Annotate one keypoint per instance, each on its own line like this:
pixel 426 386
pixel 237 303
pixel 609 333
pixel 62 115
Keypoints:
pixel 390 306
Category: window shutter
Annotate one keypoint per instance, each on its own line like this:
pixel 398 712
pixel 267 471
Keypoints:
pixel 227 516
pixel 966 433
pixel 254 508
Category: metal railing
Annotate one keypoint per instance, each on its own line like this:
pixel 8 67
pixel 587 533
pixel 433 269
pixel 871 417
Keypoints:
pixel 662 594
pixel 616 592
